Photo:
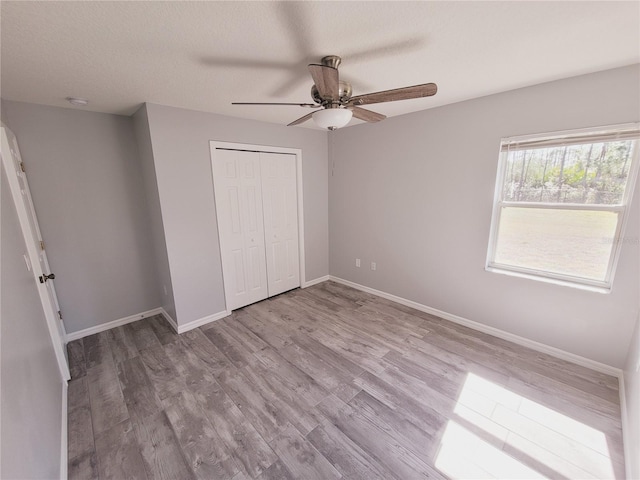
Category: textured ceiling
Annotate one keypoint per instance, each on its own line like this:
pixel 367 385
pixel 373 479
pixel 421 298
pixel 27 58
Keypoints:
pixel 204 55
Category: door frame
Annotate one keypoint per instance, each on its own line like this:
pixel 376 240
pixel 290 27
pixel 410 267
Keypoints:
pixel 58 342
pixel 216 145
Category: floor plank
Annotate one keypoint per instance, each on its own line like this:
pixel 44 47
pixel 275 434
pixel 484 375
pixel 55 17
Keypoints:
pixel 75 353
pixel 118 453
pixel 191 368
pixel 274 337
pixel 143 335
pixel 256 404
pixel 348 458
pixel 80 432
pixel 290 375
pixel 322 372
pixel 84 467
pixel 395 425
pixel 277 471
pixel 375 440
pixel 247 447
pixel 201 445
pixel 96 349
pixel 415 409
pixel 301 458
pixel 78 394
pixel 237 353
pixel 201 346
pixel 241 334
pixel 161 453
pixel 108 407
pixel 161 372
pixel 122 345
pixel 140 397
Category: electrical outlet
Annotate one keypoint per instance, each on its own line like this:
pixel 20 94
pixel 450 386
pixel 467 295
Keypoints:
pixel 373 265
pixel 358 262
pixel 164 287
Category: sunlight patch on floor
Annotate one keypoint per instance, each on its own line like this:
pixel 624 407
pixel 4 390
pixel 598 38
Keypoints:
pixel 500 434
pixel 465 455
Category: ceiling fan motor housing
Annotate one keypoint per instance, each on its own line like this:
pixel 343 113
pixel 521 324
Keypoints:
pixel 344 94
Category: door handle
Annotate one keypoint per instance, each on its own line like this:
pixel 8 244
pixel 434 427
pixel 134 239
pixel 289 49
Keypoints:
pixel 44 277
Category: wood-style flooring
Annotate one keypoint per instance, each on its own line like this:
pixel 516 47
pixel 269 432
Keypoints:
pixel 330 382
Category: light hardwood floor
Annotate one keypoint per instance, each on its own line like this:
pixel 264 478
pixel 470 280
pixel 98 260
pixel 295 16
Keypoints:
pixel 330 382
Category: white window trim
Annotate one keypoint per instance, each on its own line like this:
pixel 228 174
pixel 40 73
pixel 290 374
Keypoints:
pixel 559 138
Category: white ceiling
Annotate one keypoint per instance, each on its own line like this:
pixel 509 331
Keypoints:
pixel 204 55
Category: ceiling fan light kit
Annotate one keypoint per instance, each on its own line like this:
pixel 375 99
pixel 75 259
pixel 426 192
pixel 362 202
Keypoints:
pixel 337 105
pixel 332 118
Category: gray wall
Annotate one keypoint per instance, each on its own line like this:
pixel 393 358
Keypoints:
pixel 414 193
pixel 89 196
pixel 180 140
pixel 30 382
pixel 156 227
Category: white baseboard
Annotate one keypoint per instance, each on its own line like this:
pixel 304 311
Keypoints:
pixel 149 313
pixel 197 323
pixel 169 320
pixel 115 323
pixel 315 281
pixel 496 332
pixel 64 433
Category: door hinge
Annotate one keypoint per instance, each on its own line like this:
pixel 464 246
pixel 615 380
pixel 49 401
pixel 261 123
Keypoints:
pixel 60 314
pixel 22 166
pixel 41 245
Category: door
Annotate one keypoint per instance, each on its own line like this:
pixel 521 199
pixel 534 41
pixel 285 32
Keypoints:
pixel 35 245
pixel 257 198
pixel 238 195
pixel 280 202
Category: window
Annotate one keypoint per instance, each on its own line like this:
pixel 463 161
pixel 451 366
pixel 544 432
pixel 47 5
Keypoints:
pixel 561 202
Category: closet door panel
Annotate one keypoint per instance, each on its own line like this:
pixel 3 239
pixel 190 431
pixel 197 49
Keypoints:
pixel 280 207
pixel 238 195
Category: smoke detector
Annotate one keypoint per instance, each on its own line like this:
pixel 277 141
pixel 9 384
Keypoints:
pixel 77 101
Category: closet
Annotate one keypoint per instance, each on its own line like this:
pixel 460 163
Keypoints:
pixel 257 210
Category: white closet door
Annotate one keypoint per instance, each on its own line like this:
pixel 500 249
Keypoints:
pixel 280 206
pixel 238 194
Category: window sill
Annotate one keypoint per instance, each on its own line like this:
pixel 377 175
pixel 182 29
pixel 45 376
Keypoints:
pixel 553 281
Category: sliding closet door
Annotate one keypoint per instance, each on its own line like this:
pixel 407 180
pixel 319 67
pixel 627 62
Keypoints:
pixel 238 195
pixel 280 207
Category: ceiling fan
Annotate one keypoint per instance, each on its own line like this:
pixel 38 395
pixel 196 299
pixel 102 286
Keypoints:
pixel 337 106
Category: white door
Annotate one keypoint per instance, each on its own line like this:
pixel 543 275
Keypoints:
pixel 280 207
pixel 238 195
pixel 36 248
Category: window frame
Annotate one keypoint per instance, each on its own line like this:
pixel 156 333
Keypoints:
pixel 566 137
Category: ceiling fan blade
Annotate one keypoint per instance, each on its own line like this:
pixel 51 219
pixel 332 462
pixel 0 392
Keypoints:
pixel 307 105
pixel 366 115
pixel 406 93
pixel 301 119
pixel 326 79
